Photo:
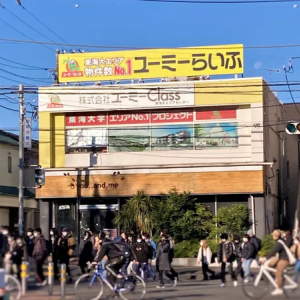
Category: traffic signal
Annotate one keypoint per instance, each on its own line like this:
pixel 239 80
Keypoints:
pixel 39 176
pixel 292 128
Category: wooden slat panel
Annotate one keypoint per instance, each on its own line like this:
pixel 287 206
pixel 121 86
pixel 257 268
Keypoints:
pixel 152 184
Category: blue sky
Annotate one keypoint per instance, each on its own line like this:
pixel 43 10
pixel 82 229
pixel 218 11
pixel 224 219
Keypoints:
pixel 133 23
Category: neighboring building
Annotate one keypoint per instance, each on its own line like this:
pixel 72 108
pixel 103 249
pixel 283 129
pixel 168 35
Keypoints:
pixel 291 165
pixel 217 139
pixel 9 182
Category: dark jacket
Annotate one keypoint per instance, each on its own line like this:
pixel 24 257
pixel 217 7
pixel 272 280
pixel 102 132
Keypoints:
pixel 18 254
pixel 140 251
pixel 40 250
pixel 3 244
pixel 150 249
pixel 54 246
pixel 278 248
pixel 255 243
pixel 238 250
pixel 226 247
pixel 30 245
pixel 85 251
pixel 248 250
pixel 163 256
pixel 66 245
pixel 109 249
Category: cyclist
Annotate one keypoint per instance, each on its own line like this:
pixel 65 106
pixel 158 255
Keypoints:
pixel 115 258
pixel 281 263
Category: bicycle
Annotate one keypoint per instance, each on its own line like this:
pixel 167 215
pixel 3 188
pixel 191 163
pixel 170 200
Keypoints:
pixel 12 287
pixel 257 286
pixel 133 285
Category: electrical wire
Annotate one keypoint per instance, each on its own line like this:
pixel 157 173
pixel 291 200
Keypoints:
pixel 42 23
pixel 138 48
pixel 32 40
pixel 25 65
pixel 28 25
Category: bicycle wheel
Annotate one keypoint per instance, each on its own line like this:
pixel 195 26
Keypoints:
pixel 12 287
pixel 134 288
pixel 88 288
pixel 289 287
pixel 255 290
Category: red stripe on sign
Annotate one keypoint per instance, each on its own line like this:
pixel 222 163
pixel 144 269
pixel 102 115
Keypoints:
pixel 86 120
pixel 172 116
pixel 216 114
pixel 128 119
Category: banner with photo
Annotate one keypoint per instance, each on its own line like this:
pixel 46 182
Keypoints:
pixel 216 135
pixel 172 137
pixel 86 138
pixel 128 139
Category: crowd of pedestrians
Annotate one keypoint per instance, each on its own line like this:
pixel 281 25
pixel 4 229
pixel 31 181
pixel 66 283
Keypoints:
pixel 128 252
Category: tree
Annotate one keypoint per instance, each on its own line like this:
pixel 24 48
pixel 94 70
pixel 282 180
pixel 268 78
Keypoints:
pixel 234 220
pixel 136 214
pixel 181 216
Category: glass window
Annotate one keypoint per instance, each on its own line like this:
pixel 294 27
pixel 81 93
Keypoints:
pixel 9 164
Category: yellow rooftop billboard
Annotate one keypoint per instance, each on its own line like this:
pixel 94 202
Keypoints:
pixel 151 63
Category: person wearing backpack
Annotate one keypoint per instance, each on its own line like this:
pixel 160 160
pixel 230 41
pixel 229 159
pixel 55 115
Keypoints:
pixel 120 242
pixel 256 242
pixel 281 247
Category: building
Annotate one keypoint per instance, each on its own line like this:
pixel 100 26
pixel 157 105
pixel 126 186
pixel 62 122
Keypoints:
pixel 9 182
pixel 217 139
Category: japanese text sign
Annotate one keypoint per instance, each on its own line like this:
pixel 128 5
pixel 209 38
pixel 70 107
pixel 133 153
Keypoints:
pixel 104 98
pixel 151 63
pixel 27 133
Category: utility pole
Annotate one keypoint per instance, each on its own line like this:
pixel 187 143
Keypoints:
pixel 21 160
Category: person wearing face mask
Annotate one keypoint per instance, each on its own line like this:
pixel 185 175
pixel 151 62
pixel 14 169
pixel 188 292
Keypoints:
pixel 226 258
pixel 30 239
pixel 140 257
pixel 66 246
pixel 204 257
pixel 238 256
pixel 3 244
pixel 248 255
pixel 40 253
pixel 54 250
pixel 18 254
pixel 163 261
pixel 85 251
pixel 296 251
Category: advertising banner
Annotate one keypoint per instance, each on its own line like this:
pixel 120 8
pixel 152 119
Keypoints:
pixel 172 137
pixel 107 98
pixel 27 133
pixel 85 138
pixel 172 116
pixel 129 139
pixel 150 63
pixel 216 114
pixel 216 135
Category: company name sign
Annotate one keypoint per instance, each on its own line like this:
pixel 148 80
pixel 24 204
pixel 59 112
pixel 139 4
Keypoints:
pixel 103 98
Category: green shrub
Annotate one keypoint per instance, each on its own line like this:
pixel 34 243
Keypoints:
pixel 266 245
pixel 187 249
pixel 213 245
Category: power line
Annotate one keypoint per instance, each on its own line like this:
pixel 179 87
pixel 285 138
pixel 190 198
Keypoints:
pixel 28 25
pixel 25 65
pixel 37 19
pixel 32 40
pixel 138 48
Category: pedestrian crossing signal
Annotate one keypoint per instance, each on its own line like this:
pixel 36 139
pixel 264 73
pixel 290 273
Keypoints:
pixel 39 176
pixel 292 128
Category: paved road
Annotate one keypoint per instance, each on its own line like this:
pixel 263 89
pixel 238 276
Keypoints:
pixel 190 287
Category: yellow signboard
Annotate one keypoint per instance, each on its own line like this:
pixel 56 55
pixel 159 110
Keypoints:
pixel 151 63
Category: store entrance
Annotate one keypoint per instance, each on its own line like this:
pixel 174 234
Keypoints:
pixel 97 218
